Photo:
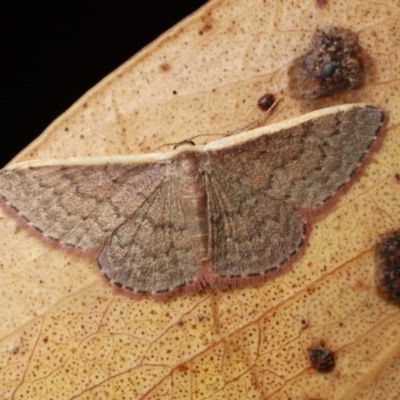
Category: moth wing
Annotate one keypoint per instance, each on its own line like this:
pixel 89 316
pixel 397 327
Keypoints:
pixel 151 252
pixel 259 184
pixel 304 161
pixel 78 205
pixel 250 234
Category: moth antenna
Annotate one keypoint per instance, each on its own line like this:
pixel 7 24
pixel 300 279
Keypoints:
pixel 242 129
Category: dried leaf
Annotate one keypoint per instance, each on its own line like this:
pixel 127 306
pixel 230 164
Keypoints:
pixel 67 334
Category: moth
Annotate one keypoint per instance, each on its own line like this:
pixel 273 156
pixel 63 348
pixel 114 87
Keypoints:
pixel 231 212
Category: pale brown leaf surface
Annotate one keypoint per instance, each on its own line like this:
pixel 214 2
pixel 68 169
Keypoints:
pixel 66 334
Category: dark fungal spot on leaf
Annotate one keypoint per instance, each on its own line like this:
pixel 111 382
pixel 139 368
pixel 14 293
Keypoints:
pixel 265 102
pixel 388 267
pixel 207 24
pixel 165 67
pixel 206 27
pixel 322 3
pixel 333 64
pixel 321 359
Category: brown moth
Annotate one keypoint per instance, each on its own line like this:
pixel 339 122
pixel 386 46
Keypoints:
pixel 230 212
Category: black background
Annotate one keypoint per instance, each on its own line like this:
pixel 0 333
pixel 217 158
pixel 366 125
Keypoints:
pixel 52 53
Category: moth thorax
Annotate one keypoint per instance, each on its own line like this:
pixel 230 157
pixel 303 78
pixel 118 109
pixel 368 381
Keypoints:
pixel 190 184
